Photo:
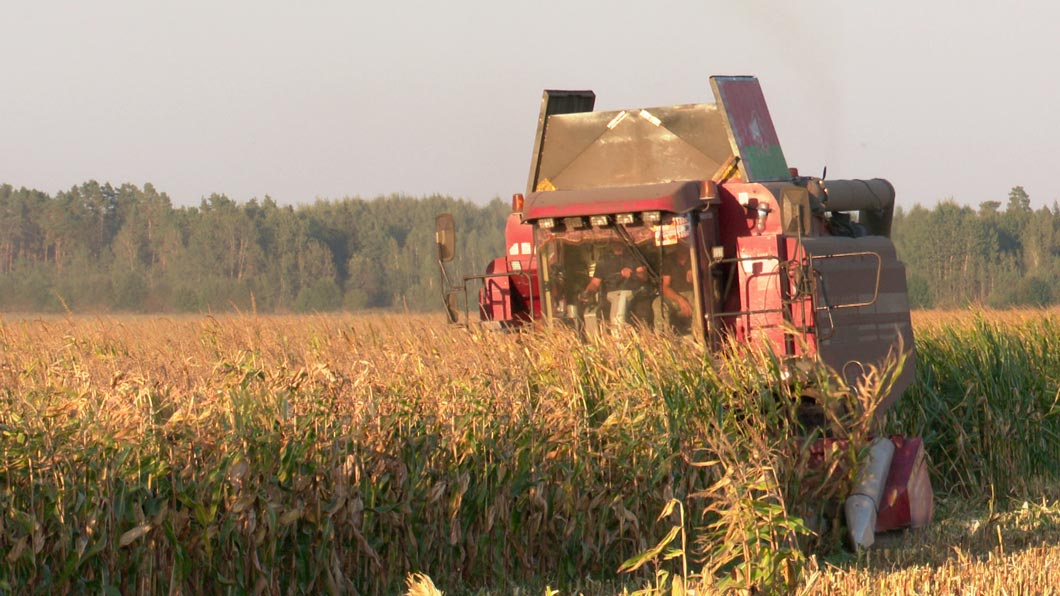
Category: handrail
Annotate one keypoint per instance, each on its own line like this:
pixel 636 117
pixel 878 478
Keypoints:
pixel 876 289
pixel 782 265
pixel 464 287
pixel 820 282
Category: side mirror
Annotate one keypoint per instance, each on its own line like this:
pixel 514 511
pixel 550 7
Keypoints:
pixel 445 237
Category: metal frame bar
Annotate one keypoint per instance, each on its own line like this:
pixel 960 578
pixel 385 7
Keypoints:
pixel 876 289
pixel 782 265
pixel 463 287
pixel 820 282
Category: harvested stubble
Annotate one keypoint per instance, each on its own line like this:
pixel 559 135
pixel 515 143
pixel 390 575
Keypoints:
pixel 965 552
pixel 329 454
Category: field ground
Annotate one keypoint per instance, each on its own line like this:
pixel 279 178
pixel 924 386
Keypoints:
pixel 320 453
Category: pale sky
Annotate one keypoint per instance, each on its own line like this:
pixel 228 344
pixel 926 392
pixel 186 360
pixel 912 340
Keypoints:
pixel 299 100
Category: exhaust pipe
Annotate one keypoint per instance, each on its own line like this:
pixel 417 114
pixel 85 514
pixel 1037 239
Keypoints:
pixel 873 200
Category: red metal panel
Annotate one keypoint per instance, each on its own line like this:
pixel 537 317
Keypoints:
pixel 761 291
pixel 908 499
pixel 733 224
pixel 495 299
pixel 751 130
pixel 522 256
pixel 735 218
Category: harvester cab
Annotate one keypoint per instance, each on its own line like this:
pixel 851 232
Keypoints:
pixel 688 219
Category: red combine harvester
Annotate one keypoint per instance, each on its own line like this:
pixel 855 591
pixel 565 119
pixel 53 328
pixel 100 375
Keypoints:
pixel 687 218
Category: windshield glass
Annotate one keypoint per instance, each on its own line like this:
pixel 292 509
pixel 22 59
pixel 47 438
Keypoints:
pixel 606 277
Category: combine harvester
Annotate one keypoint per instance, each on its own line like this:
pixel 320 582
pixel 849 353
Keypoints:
pixel 688 218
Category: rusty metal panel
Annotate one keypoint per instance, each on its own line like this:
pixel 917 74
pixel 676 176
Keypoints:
pixel 750 128
pixel 850 339
pixel 555 102
pixel 631 147
pixel 795 214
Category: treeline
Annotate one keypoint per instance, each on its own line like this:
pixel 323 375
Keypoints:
pixel 957 255
pixel 101 247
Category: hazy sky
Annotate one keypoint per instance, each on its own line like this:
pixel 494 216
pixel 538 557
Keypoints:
pixel 300 100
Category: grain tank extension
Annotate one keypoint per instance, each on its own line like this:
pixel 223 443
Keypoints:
pixel 688 219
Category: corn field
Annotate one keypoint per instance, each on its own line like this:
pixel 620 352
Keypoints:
pixel 339 454
pixel 987 399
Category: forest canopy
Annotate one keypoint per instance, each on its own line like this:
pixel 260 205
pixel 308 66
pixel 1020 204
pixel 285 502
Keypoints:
pixel 98 247
pixel 957 256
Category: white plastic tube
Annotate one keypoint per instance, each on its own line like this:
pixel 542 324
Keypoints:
pixel 864 499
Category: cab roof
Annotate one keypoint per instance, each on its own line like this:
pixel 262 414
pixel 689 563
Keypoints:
pixel 670 197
